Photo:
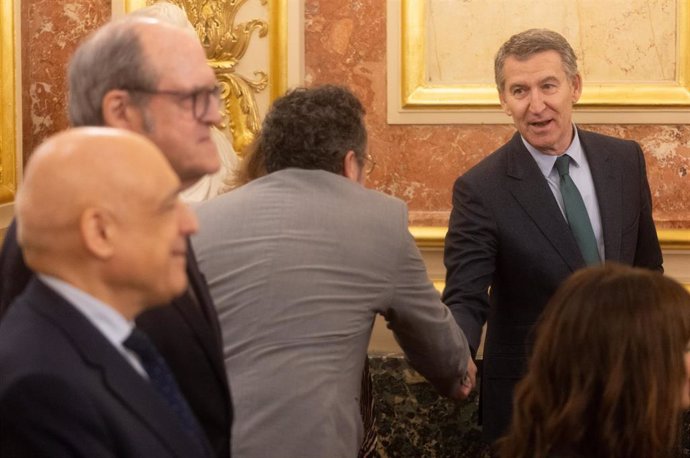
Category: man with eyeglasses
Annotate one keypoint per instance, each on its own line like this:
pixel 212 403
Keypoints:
pixel 317 256
pixel 152 78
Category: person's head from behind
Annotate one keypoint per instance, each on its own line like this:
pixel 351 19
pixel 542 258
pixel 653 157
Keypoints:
pixel 319 128
pixel 538 83
pixel 152 78
pixel 99 209
pixel 608 376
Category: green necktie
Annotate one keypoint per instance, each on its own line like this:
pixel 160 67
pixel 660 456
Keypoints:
pixel 576 213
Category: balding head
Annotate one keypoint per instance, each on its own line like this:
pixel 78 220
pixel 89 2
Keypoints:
pixel 98 208
pixel 146 76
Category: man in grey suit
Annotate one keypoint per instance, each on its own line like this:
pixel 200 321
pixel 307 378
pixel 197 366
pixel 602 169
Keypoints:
pixel 299 263
pixel 523 221
pixel 73 381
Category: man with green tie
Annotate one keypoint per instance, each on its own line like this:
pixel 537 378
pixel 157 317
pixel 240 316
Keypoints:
pixel 553 199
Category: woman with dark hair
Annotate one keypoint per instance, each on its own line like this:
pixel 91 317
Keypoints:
pixel 608 376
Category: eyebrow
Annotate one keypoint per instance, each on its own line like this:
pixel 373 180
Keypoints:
pixel 548 79
pixel 541 81
pixel 203 87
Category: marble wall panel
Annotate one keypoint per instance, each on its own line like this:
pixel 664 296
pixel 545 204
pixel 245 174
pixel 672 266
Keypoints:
pixel 50 30
pixel 345 43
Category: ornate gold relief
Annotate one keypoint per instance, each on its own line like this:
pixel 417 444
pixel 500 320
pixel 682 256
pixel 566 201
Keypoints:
pixel 226 43
pixel 8 134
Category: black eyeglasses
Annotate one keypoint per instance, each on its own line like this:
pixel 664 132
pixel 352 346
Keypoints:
pixel 201 98
pixel 369 164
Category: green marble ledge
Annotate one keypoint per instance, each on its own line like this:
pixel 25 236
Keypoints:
pixel 414 421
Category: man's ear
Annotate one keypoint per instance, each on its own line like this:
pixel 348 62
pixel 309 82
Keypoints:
pixel 576 84
pixel 351 168
pixel 118 111
pixel 98 232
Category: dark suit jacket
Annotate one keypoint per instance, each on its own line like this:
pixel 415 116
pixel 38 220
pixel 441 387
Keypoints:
pixel 507 232
pixel 69 392
pixel 186 333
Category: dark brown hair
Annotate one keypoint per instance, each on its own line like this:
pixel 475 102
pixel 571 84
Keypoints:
pixel 607 371
pixel 313 128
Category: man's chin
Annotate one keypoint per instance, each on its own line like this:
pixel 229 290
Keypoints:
pixel 164 297
pixel 543 143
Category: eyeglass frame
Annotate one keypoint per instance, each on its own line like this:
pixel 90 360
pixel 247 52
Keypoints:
pixel 369 164
pixel 194 95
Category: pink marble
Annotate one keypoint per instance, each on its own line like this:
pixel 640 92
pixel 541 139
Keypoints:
pixel 50 30
pixel 346 44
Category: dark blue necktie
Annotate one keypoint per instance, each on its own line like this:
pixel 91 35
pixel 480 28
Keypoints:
pixel 163 381
pixel 576 213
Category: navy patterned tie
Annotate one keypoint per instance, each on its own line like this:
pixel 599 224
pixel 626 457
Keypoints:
pixel 163 381
pixel 576 213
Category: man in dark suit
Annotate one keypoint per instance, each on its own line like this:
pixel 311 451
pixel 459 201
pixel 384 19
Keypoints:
pixel 523 221
pixel 72 382
pixel 156 82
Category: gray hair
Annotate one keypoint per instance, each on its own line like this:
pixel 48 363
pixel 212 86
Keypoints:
pixel 525 44
pixel 111 58
pixel 168 13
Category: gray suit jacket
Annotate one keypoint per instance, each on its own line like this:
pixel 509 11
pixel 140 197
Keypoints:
pixel 507 232
pixel 299 263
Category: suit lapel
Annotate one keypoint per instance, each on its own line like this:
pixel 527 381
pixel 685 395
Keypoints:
pixel 608 186
pixel 202 320
pixel 119 377
pixel 529 187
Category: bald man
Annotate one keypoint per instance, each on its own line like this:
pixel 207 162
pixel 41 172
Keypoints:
pixel 152 78
pixel 102 255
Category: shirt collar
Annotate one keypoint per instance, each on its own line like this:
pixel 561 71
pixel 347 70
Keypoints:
pixel 547 161
pixel 107 320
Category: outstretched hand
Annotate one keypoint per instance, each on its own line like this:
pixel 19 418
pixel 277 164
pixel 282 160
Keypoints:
pixel 469 381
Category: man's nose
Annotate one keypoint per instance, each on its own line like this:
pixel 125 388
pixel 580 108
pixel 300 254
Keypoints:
pixel 536 101
pixel 189 224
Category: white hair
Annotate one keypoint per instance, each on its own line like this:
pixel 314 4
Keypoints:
pixel 168 13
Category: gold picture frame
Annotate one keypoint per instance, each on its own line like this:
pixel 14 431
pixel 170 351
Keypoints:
pixel 9 151
pixel 413 99
pixel 675 244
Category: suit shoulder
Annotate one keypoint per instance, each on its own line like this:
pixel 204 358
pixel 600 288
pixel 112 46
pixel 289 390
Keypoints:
pixel 31 344
pixel 486 171
pixel 600 140
pixel 384 199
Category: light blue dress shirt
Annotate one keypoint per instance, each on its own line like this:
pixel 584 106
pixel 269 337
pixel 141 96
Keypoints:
pixel 114 327
pixel 581 175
